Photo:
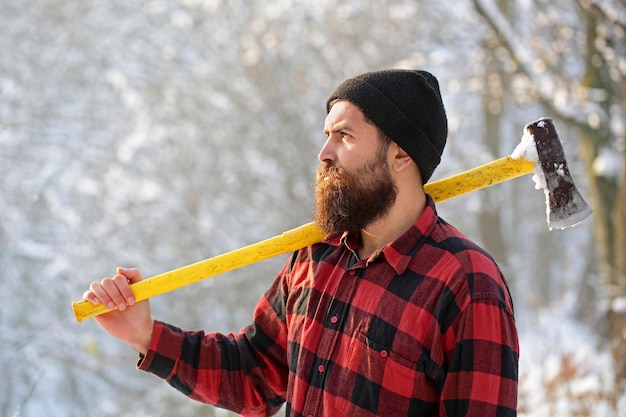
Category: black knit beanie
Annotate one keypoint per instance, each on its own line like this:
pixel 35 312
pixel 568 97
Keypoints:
pixel 406 105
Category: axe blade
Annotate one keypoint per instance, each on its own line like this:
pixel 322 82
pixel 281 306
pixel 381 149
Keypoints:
pixel 565 207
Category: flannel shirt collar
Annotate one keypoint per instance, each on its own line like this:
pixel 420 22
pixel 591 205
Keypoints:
pixel 399 252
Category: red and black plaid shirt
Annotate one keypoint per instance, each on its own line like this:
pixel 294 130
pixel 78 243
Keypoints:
pixel 425 327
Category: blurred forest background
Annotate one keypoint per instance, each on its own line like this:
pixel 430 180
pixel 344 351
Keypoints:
pixel 159 133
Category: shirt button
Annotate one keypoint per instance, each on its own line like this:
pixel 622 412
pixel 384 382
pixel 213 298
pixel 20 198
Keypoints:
pixel 334 319
pixel 384 353
pixel 320 368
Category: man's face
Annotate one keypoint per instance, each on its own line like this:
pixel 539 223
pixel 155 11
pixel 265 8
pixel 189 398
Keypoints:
pixel 354 186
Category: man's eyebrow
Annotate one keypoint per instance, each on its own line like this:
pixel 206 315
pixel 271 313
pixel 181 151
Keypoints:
pixel 336 128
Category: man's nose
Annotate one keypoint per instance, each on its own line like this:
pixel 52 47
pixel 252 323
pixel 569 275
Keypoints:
pixel 327 154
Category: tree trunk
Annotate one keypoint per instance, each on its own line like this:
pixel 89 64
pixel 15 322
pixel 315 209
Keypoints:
pixel 608 194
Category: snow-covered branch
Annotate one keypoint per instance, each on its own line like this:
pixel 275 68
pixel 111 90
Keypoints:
pixel 543 80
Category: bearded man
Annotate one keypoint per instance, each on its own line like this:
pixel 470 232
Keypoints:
pixel 395 313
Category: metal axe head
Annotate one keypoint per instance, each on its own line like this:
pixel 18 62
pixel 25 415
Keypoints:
pixel 565 207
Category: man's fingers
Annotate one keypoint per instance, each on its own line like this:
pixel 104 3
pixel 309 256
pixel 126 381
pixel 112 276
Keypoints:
pixel 91 297
pixel 123 285
pixel 114 292
pixel 99 291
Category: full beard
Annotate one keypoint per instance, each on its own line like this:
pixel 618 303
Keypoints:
pixel 351 201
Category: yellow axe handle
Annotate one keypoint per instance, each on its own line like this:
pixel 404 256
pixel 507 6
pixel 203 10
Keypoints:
pixel 288 241
pixel 483 176
pixel 491 173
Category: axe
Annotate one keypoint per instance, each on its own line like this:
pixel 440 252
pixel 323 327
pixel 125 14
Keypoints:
pixel 540 150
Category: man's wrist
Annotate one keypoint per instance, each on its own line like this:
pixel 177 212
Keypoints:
pixel 143 341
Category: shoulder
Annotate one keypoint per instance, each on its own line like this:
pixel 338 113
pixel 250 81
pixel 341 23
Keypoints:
pixel 465 269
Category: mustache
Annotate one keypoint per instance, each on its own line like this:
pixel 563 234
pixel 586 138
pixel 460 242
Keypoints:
pixel 329 172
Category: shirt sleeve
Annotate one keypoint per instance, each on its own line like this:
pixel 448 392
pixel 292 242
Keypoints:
pixel 482 375
pixel 244 372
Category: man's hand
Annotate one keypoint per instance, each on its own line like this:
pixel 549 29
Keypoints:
pixel 132 322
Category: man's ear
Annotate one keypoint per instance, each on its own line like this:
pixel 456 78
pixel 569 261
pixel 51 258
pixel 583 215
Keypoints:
pixel 401 160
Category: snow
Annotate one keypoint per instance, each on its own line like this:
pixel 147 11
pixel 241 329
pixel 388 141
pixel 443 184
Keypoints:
pixel 526 149
pixel 559 379
pixel 618 305
pixel 608 163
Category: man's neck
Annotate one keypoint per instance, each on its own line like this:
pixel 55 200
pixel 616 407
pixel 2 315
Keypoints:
pixel 400 218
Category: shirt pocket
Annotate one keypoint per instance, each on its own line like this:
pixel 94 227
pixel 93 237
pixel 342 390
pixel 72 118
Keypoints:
pixel 396 375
